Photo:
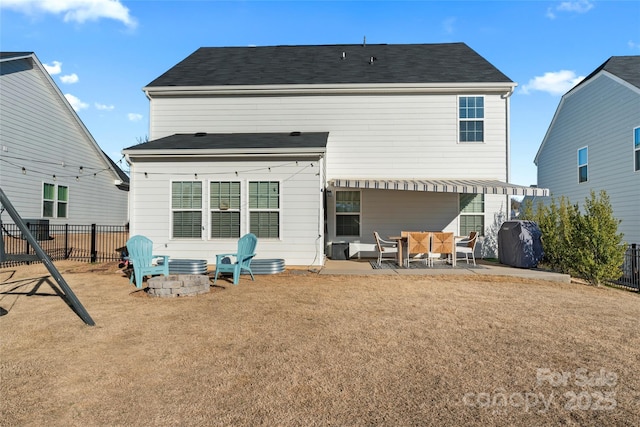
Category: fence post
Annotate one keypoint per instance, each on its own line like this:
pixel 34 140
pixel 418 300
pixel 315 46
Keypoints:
pixel 67 252
pixel 94 251
pixel 635 273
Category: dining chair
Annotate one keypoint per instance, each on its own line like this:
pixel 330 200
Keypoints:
pixel 418 245
pixel 467 246
pixel 443 243
pixel 385 247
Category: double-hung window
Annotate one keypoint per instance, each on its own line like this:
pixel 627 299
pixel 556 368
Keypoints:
pixel 186 209
pixel 583 161
pixel 224 203
pixel 636 148
pixel 264 208
pixel 347 213
pixel 55 201
pixel 471 118
pixel 471 214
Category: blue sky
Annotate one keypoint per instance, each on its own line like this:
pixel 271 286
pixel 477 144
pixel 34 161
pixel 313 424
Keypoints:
pixel 102 52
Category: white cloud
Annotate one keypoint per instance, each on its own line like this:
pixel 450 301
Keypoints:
pixel 75 10
pixel 135 117
pixel 75 102
pixel 578 6
pixel 554 82
pixel 54 68
pixel 104 107
pixel 69 79
pixel 633 45
pixel 448 25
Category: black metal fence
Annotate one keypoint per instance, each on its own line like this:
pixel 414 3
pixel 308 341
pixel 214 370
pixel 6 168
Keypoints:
pixel 630 269
pixel 85 243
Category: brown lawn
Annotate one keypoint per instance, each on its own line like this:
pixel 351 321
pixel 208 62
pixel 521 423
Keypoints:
pixel 300 349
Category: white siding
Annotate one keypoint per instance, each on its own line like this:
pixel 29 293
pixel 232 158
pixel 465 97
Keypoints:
pixel 387 136
pixel 300 242
pixel 370 136
pixel 601 116
pixel 39 133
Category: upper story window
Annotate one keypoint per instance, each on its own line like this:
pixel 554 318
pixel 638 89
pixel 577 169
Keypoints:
pixel 636 148
pixel 186 209
pixel 55 201
pixel 264 208
pixel 224 203
pixel 471 118
pixel 583 160
pixel 347 213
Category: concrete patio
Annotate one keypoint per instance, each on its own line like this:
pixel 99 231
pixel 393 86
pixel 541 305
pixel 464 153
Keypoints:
pixel 363 267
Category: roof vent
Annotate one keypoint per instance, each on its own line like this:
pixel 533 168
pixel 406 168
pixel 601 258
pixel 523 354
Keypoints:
pixel 344 55
pixel 295 133
pixel 372 59
pixel 198 134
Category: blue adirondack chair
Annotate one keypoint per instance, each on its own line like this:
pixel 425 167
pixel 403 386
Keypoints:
pixel 140 250
pixel 246 252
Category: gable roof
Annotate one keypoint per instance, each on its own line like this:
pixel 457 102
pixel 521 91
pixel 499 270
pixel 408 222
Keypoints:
pixel 5 57
pixel 235 143
pixel 625 67
pixel 331 64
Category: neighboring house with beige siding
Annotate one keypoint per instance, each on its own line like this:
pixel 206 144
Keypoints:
pixel 311 146
pixel 593 142
pixel 51 168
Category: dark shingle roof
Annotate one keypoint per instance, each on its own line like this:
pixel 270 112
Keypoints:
pixel 5 55
pixel 226 141
pixel 625 67
pixel 324 64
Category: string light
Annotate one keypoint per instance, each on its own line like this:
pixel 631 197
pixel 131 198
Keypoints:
pixel 24 171
pixel 54 177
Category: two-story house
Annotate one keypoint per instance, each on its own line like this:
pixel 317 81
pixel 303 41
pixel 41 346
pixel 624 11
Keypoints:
pixel 593 142
pixel 311 146
pixel 51 168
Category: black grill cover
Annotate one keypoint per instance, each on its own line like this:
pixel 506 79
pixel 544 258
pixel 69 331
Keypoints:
pixel 520 244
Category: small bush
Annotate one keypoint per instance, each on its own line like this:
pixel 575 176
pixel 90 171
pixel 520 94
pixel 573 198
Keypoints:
pixel 585 244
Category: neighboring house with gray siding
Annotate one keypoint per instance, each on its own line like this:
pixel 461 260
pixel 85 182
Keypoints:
pixel 593 142
pixel 51 168
pixel 311 146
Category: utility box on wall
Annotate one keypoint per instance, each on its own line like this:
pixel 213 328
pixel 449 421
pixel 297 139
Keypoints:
pixel 340 251
pixel 39 228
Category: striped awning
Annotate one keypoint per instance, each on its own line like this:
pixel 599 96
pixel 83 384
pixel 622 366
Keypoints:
pixel 472 186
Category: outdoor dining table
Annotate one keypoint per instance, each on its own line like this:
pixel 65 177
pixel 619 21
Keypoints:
pixel 402 241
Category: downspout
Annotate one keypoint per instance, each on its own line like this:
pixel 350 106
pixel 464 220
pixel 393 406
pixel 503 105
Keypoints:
pixel 507 107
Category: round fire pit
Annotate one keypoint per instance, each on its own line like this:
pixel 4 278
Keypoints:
pixel 178 285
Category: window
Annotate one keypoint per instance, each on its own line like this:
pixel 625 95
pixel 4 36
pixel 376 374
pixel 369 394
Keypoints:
pixel 186 207
pixel 471 214
pixel 224 202
pixel 471 115
pixel 264 208
pixel 55 201
pixel 636 147
pixel 583 160
pixel 347 213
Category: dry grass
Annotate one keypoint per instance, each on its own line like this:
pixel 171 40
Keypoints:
pixel 302 349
